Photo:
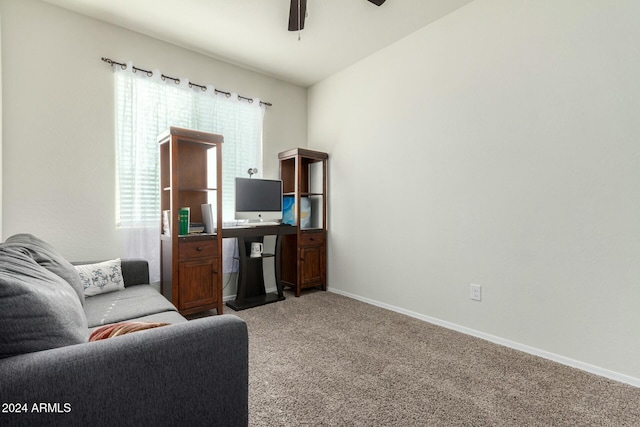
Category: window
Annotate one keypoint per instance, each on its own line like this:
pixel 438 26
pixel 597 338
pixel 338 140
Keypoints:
pixel 145 107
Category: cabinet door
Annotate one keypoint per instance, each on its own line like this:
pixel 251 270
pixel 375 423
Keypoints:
pixel 198 283
pixel 311 265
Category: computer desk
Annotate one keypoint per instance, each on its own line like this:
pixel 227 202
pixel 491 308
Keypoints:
pixel 251 290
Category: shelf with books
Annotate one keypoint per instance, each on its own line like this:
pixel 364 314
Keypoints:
pixel 190 176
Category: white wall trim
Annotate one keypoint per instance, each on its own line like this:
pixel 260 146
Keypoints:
pixel 500 341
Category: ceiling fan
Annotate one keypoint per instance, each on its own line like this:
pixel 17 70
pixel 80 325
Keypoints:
pixel 298 11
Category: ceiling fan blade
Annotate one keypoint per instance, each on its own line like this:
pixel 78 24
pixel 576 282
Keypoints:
pixel 377 2
pixel 295 14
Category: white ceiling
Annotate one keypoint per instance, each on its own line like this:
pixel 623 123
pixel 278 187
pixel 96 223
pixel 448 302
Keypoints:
pixel 253 33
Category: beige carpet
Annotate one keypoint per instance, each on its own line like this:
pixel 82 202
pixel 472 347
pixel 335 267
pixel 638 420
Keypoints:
pixel 327 360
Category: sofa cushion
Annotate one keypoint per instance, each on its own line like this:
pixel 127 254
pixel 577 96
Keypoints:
pixel 101 277
pixel 127 304
pixel 38 309
pixel 48 257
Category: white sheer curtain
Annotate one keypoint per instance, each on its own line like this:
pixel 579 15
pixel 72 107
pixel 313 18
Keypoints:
pixel 145 107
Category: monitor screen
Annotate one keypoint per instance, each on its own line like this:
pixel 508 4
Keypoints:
pixel 258 199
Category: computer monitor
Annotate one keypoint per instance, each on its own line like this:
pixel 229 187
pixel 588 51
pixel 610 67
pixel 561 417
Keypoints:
pixel 258 199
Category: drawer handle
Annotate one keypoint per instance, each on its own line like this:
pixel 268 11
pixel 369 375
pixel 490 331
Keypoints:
pixel 311 238
pixel 199 249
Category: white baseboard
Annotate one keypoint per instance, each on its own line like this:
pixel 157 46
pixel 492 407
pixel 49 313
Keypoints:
pixel 501 341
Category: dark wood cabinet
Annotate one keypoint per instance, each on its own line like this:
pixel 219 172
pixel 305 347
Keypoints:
pixel 312 261
pixel 199 279
pixel 190 176
pixel 304 179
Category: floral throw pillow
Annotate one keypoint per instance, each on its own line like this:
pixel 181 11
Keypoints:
pixel 101 278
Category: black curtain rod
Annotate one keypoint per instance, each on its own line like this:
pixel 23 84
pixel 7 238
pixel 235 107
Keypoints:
pixel 177 81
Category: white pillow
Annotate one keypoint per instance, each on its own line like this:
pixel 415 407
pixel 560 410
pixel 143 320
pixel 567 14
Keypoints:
pixel 101 278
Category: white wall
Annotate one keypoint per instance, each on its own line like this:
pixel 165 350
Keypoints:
pixel 497 146
pixel 58 110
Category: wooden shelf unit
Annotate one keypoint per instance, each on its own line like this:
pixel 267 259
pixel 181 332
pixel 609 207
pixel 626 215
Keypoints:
pixel 304 175
pixel 191 265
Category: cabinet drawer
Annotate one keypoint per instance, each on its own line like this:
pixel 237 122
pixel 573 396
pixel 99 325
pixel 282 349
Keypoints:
pixel 311 239
pixel 198 249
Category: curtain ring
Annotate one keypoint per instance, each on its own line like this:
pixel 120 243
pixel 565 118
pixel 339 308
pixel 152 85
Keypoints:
pixel 202 88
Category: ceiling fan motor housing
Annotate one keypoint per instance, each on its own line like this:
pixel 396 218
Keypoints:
pixel 298 11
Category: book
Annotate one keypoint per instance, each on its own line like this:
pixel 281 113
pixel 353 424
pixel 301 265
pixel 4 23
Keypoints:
pixel 185 216
pixel 208 218
pixel 166 222
pixel 196 227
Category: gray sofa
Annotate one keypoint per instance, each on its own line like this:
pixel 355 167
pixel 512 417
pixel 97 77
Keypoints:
pixel 187 373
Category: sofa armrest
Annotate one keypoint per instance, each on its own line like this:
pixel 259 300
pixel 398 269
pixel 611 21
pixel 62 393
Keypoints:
pixel 192 373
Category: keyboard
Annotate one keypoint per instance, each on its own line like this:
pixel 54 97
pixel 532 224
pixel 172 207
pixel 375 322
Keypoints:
pixel 255 224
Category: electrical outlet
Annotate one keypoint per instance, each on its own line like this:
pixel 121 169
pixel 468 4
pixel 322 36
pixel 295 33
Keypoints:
pixel 476 292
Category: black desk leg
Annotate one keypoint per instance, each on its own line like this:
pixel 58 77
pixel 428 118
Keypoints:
pixel 278 266
pixel 241 291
